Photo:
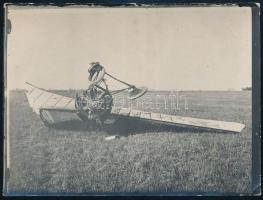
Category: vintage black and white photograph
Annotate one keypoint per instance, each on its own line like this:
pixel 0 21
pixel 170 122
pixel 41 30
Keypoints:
pixel 138 99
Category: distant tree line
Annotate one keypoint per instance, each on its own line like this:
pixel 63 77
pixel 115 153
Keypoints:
pixel 246 88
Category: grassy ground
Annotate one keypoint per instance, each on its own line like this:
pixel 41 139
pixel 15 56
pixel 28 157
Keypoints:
pixel 47 160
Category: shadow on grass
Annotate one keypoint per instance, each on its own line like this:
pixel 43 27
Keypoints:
pixel 125 127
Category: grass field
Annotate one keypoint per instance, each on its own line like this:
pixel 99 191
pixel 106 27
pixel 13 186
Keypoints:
pixel 45 160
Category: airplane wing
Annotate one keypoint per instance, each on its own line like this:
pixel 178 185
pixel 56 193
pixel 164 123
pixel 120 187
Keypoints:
pixel 180 121
pixel 39 98
pixel 44 102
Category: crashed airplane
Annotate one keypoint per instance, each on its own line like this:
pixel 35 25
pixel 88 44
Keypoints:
pixel 95 105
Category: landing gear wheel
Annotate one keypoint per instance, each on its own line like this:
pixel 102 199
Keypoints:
pixel 97 73
pixel 45 119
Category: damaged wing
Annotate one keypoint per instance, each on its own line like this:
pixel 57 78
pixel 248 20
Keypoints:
pixel 178 120
pixel 44 103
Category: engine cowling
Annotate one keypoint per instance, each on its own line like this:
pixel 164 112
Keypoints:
pixel 94 105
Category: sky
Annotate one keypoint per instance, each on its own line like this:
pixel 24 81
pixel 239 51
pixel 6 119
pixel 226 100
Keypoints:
pixel 190 48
